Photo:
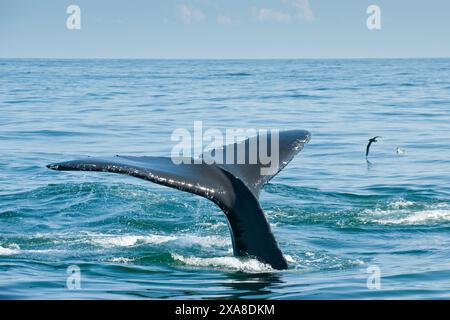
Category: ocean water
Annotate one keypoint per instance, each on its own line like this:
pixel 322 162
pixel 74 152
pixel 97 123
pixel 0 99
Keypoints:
pixel 338 219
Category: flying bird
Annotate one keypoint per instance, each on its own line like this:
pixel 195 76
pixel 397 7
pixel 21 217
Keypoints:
pixel 374 139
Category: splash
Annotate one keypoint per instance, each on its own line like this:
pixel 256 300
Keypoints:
pixel 189 240
pixel 226 263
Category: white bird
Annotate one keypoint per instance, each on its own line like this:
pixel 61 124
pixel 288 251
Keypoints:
pixel 400 151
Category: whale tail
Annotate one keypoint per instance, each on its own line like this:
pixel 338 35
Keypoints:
pixel 233 182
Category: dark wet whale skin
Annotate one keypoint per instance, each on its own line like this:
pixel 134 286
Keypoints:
pixel 234 188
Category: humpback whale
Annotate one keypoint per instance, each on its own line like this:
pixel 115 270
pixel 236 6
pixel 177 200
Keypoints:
pixel 234 187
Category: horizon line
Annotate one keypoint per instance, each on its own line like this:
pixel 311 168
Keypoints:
pixel 211 58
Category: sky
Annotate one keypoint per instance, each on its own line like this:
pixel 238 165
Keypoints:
pixel 224 29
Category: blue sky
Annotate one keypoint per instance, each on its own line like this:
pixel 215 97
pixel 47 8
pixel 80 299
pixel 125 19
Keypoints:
pixel 224 29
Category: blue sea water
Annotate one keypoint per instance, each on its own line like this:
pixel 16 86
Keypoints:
pixel 336 216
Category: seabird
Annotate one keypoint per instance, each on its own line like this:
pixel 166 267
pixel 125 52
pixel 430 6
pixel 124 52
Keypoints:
pixel 374 139
pixel 400 151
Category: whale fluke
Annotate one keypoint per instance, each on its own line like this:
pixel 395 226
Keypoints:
pixel 233 187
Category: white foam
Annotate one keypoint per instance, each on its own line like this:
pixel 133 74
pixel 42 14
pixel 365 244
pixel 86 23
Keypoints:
pixel 357 262
pixel 43 250
pixel 230 263
pixel 419 217
pixel 204 241
pixel 10 250
pixel 280 214
pixel 213 226
pixel 403 212
pixel 121 260
pixel 398 204
pixel 188 240
pixel 129 240
pixel 15 249
pixel 289 258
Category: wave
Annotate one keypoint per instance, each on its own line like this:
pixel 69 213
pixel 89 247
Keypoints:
pixel 425 217
pixel 184 240
pixel 106 240
pixel 46 133
pixel 401 203
pixel 320 260
pixel 304 96
pixel 128 240
pixel 226 263
pixel 408 207
pixel 238 74
pixel 403 212
pixel 213 226
pixel 304 262
pixel 14 249
pixel 204 241
pixel 10 250
pixel 120 260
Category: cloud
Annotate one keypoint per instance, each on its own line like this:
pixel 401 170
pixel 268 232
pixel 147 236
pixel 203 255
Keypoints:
pixel 303 9
pixel 190 15
pixel 264 14
pixel 224 20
